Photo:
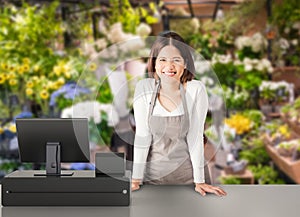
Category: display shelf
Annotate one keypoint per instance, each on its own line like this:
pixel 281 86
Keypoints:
pixel 289 167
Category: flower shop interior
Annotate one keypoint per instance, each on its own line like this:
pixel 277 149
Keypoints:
pixel 73 58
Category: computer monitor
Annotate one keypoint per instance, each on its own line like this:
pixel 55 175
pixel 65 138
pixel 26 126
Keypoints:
pixel 53 141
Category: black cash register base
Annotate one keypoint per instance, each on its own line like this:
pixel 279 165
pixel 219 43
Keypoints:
pixel 83 188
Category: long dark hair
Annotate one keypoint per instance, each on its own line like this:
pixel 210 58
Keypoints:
pixel 172 38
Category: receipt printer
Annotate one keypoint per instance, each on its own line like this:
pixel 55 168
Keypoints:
pixel 110 164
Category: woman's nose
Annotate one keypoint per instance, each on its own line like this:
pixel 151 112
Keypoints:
pixel 170 63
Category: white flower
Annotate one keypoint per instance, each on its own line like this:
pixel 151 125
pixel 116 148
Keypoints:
pixel 248 67
pixel 133 44
pixel 296 25
pixel 202 66
pixel 294 42
pixel 270 69
pixel 116 33
pixel 101 43
pixel 260 67
pixel 287 30
pixel 92 111
pixel 207 80
pixel 258 42
pixel 284 44
pixel 143 30
pixel 113 117
pixel 195 24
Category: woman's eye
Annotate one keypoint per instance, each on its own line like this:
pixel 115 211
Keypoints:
pixel 162 60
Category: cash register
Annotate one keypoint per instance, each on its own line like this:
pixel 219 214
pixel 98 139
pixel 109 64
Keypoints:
pixel 53 141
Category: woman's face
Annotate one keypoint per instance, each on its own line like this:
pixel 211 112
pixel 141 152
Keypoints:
pixel 169 64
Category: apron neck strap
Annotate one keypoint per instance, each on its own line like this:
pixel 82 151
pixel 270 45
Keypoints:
pixel 155 95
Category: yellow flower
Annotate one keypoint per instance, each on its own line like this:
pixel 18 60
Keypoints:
pixel 26 61
pixel 93 67
pixel 54 86
pixel 21 70
pixel 13 82
pixel 11 68
pixel 283 130
pixel 36 68
pixel 240 123
pixel 11 75
pixel 61 81
pixel 2 78
pixel 57 70
pixel 44 94
pixel 13 128
pixel 29 84
pixel 4 66
pixel 68 75
pixel 26 67
pixel 29 91
pixel 35 78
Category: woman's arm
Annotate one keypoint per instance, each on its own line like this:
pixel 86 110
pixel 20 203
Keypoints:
pixel 195 134
pixel 143 137
pixel 196 146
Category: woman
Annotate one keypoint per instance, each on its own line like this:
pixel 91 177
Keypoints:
pixel 170 110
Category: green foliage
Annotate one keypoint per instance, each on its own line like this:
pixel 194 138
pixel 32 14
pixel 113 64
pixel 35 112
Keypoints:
pixel 200 42
pixel 256 116
pixel 105 130
pixel 226 73
pixel 105 95
pixel 229 180
pixel 9 166
pixel 237 21
pixel 28 31
pixel 265 175
pixel 285 18
pixel 254 151
pixel 285 14
pixel 129 17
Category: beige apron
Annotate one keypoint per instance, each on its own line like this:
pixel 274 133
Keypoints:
pixel 168 160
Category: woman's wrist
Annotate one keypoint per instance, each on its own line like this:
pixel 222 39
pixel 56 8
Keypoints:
pixel 136 181
pixel 199 183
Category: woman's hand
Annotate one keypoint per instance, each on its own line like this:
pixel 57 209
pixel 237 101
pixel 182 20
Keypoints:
pixel 202 188
pixel 135 184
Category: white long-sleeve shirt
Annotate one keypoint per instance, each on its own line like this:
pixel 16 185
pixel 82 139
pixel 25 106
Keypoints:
pixel 197 104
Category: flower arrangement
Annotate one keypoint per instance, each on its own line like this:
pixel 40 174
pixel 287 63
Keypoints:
pixel 271 91
pixel 30 68
pixel 102 118
pixel 224 68
pixel 240 123
pixel 287 148
pixel 129 17
pixel 117 45
pixel 276 132
pixel 250 46
pixel 285 20
pixel 236 99
pixel 291 111
pixel 65 96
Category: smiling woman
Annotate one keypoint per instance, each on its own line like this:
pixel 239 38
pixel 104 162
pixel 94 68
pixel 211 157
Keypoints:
pixel 170 110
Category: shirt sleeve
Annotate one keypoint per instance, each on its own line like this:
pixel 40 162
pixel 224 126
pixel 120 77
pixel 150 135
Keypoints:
pixel 143 136
pixel 195 133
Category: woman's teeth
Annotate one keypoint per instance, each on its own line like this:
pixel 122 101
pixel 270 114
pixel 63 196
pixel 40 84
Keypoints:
pixel 170 73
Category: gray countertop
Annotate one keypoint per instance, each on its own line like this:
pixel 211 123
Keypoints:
pixel 183 201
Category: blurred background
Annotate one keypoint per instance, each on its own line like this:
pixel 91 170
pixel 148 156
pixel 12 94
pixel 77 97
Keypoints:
pixel 60 59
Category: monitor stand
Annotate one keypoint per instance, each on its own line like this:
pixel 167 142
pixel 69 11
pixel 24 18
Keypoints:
pixel 53 161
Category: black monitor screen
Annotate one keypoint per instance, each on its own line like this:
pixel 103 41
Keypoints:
pixel 71 134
